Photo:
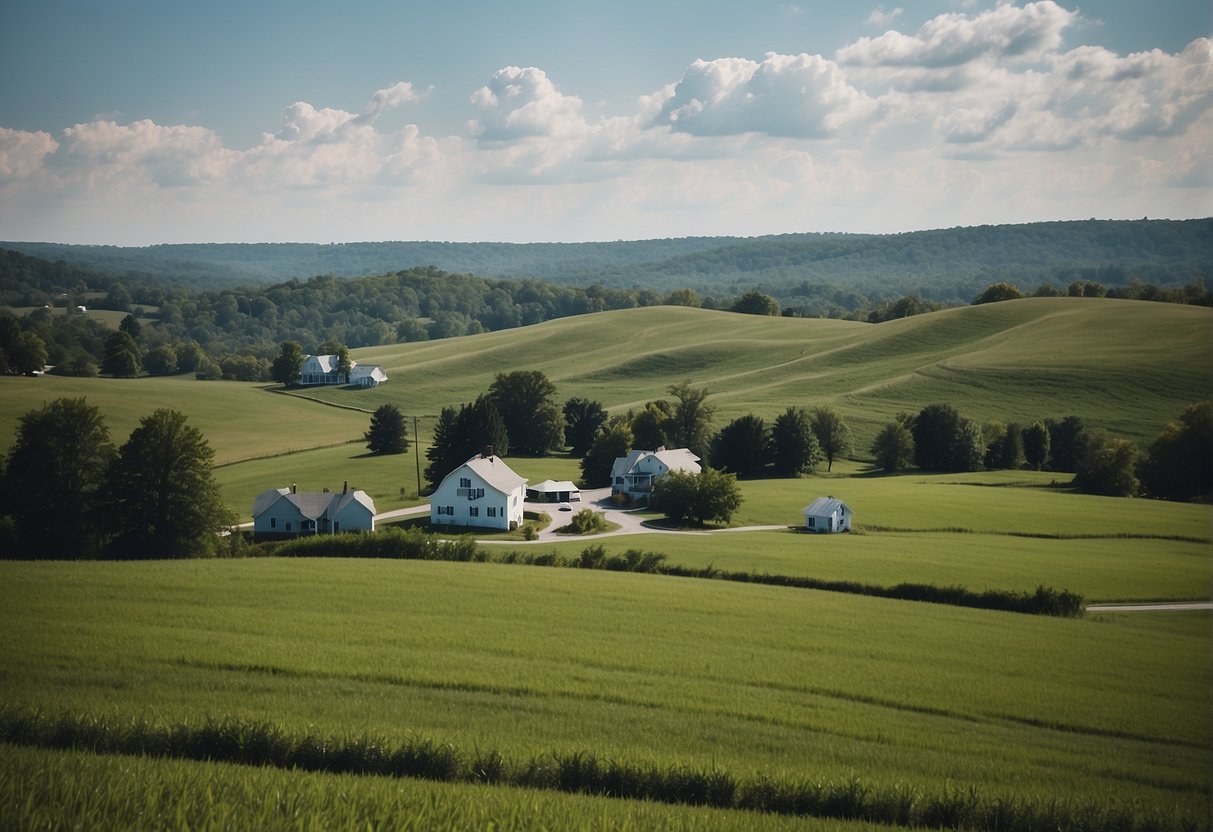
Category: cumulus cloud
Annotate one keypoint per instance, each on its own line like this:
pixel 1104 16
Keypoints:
pixel 22 152
pixel 169 156
pixel 522 102
pixel 804 96
pixel 950 40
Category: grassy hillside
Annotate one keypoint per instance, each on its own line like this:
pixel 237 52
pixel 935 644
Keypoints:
pixel 1122 365
pixel 241 421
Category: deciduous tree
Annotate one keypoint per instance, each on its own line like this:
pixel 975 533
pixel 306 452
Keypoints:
pixel 701 498
pixel 582 419
pixel 1108 466
pixel 756 303
pixel 832 433
pixel 55 471
pixel 742 446
pixel 690 422
pixel 894 447
pixel 520 396
pixel 122 357
pixel 161 497
pixel 1036 445
pixel 1179 464
pixel 794 446
pixel 288 364
pixel 613 441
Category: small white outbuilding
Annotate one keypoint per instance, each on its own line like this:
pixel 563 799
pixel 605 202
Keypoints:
pixel 827 515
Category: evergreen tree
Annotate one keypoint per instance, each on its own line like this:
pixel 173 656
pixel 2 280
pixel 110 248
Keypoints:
pixel 794 446
pixel 387 433
pixel 161 497
pixel 461 434
pixel 1067 443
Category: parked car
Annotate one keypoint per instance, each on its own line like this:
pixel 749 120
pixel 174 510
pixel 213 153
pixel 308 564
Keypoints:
pixel 565 507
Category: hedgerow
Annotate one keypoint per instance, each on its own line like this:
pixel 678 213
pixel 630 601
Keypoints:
pixel 265 744
pixel 413 544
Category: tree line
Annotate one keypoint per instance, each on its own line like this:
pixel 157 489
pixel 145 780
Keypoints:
pixel 1178 465
pixel 68 492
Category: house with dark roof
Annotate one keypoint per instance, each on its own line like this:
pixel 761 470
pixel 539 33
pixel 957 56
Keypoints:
pixel 633 475
pixel 826 515
pixel 286 512
pixel 483 491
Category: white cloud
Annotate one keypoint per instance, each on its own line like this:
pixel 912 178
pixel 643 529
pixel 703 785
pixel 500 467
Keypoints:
pixel 805 96
pixel 880 17
pixel 141 151
pixel 522 102
pixel 1004 33
pixel 21 153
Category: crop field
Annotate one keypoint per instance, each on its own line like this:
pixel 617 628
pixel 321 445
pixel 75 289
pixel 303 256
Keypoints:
pixel 748 679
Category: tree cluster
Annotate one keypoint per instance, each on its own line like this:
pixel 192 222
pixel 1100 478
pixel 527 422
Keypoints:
pixel 68 493
pixel 686 498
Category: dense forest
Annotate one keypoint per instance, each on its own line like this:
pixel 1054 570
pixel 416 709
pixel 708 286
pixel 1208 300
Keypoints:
pixel 187 317
pixel 818 274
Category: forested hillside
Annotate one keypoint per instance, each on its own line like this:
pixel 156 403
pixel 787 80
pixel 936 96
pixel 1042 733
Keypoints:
pixel 819 274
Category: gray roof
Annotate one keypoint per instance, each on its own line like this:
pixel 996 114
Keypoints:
pixel 825 506
pixel 495 472
pixel 675 459
pixel 313 504
pixel 548 486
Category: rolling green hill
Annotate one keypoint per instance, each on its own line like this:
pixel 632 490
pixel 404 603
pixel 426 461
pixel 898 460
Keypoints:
pixel 1122 365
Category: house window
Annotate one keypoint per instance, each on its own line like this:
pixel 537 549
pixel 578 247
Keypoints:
pixel 288 525
pixel 474 511
pixel 465 482
pixel 812 524
pixel 273 522
pixel 492 511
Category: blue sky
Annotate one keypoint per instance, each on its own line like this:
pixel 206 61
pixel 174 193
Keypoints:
pixel 142 122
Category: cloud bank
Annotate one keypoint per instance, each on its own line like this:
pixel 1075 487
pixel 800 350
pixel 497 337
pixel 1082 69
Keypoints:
pixel 981 117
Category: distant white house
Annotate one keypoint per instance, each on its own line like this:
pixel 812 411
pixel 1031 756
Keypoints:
pixel 284 512
pixel 827 515
pixel 553 491
pixel 483 492
pixel 325 369
pixel 367 375
pixel 633 475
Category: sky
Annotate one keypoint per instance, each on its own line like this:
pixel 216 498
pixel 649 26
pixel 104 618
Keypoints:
pixel 136 122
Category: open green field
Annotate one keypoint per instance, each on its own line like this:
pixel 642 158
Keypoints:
pixel 746 679
pixel 240 420
pixel 1122 365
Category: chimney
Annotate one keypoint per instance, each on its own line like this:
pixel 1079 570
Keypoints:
pixel 488 452
pixel 292 488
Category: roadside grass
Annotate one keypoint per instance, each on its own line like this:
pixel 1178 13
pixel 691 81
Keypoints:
pixel 240 420
pixel 42 789
pixel 648 669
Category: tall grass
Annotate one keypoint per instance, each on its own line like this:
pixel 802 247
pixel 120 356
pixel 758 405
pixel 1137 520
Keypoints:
pixel 264 744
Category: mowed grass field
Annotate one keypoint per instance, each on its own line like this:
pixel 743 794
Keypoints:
pixel 1122 365
pixel 747 679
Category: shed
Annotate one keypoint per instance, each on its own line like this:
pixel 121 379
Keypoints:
pixel 827 515
pixel 553 491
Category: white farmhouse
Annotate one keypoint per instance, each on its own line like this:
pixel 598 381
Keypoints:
pixel 827 515
pixel 325 369
pixel 483 491
pixel 285 512
pixel 633 475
